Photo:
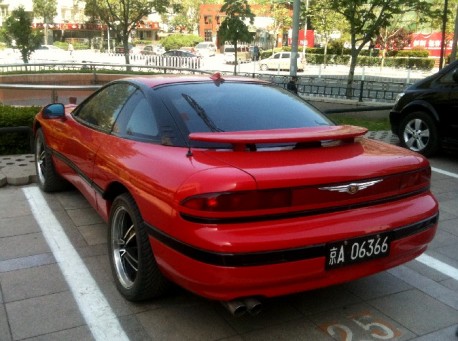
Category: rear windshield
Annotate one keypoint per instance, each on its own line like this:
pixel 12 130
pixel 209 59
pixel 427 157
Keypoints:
pixel 233 106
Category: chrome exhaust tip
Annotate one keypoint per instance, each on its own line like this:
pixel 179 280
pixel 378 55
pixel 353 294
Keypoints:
pixel 253 306
pixel 235 307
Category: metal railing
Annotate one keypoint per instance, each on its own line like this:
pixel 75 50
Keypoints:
pixel 373 89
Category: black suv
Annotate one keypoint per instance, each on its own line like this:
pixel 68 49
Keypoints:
pixel 425 116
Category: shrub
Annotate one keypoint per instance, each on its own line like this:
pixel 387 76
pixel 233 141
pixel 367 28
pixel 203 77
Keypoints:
pixel 10 116
pixel 176 41
pixel 416 53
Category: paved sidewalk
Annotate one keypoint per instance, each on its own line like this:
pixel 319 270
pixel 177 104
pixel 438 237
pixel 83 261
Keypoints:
pixel 410 302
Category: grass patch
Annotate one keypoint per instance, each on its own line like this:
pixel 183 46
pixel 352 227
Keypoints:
pixel 371 123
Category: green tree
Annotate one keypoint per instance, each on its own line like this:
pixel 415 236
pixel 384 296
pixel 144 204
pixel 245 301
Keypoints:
pixel 18 28
pixel 234 27
pixel 282 20
pixel 393 38
pixel 326 21
pixel 122 16
pixel 188 18
pixel 46 9
pixel 367 17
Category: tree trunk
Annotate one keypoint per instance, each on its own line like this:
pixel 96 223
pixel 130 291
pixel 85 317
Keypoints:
pixel 351 73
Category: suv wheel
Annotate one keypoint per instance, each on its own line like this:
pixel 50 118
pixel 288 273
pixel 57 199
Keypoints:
pixel 418 132
pixel 264 67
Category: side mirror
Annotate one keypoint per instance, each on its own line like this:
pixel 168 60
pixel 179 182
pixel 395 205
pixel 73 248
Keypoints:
pixel 55 110
pixel 455 75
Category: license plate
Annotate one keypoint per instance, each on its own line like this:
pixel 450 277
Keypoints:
pixel 357 250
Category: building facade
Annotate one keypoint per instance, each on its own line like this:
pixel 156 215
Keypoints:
pixel 71 24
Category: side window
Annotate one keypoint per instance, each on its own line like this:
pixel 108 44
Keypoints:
pixel 277 56
pixel 103 108
pixel 142 122
pixel 137 119
pixel 448 78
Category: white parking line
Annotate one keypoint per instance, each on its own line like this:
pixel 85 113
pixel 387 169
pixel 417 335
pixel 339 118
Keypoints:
pixel 431 261
pixel 438 265
pixel 95 309
pixel 441 171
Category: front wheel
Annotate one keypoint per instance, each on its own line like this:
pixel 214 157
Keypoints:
pixel 418 132
pixel 135 270
pixel 264 67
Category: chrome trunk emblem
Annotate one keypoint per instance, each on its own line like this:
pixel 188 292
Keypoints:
pixel 351 188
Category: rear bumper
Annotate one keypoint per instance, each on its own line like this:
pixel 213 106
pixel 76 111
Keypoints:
pixel 226 275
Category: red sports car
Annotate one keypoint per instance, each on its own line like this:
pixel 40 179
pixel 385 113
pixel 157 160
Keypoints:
pixel 234 188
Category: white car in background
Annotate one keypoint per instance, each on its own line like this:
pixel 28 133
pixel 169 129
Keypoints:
pixel 50 53
pixel 205 49
pixel 281 61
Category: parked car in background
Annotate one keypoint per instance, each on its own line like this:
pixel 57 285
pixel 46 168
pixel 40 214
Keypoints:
pixel 243 54
pixel 425 115
pixel 281 61
pixel 152 50
pixel 180 53
pixel 205 49
pixel 189 49
pixel 229 187
pixel 180 58
pixel 51 53
pixel 120 48
pixel 49 48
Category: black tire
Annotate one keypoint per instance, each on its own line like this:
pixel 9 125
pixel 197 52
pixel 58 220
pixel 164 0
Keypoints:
pixel 47 177
pixel 134 268
pixel 418 132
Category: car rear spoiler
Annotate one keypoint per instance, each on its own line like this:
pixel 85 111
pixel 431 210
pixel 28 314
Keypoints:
pixel 241 139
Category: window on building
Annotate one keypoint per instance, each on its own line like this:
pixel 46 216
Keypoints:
pixel 208 35
pixel 208 19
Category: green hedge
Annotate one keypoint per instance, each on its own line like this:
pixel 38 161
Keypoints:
pixel 10 116
pixel 410 59
pixel 176 41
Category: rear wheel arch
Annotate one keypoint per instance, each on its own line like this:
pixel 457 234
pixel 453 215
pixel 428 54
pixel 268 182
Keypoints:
pixel 135 270
pixel 422 106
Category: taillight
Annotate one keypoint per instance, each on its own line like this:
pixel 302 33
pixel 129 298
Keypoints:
pixel 415 180
pixel 239 201
pixel 224 206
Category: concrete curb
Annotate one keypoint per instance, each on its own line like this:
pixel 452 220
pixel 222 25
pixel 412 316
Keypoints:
pixel 18 170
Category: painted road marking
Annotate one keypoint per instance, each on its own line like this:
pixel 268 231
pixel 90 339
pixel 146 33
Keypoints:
pixel 441 171
pixel 95 309
pixel 436 264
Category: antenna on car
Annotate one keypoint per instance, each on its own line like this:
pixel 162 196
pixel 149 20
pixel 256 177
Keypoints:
pixel 217 78
pixel 189 153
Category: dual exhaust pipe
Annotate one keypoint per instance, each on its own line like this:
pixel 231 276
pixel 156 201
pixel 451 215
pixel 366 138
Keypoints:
pixel 243 306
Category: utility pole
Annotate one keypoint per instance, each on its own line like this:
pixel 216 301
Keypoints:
pixel 295 38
